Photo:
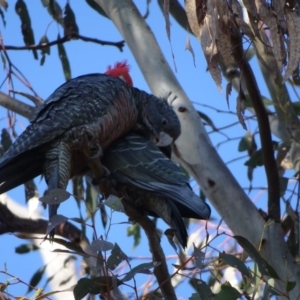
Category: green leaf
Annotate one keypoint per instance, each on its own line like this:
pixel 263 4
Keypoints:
pixel 54 10
pixel 246 142
pixel 234 262
pixel 296 106
pixel 263 266
pixel 138 269
pixel 55 196
pixel 207 119
pixel 203 289
pixel 78 189
pixel 266 101
pixel 135 231
pixel 2 17
pixel 103 215
pixel 55 221
pixel 27 32
pixel 101 245
pixel 26 248
pixel 116 257
pixel 290 285
pixel 94 286
pixel 44 41
pixel 255 160
pixel 64 60
pixel 199 257
pixel 70 25
pixel 36 278
pixel 91 199
pixel 97 8
pixel 228 292
pixel 69 245
pixel 114 203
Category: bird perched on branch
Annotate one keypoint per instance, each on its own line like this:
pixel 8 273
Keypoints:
pixel 73 127
pixel 143 176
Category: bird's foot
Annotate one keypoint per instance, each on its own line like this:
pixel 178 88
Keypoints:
pixel 105 180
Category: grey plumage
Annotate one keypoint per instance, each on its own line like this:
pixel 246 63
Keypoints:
pixel 76 123
pixel 142 175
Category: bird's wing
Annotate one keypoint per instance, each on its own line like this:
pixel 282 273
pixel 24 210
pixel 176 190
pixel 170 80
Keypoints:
pixel 137 161
pixel 135 157
pixel 80 101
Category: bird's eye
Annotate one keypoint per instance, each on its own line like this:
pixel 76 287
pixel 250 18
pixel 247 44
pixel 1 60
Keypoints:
pixel 164 122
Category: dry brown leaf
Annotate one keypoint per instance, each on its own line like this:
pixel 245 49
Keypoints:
pixel 239 18
pixel 293 27
pixel 240 110
pixel 228 92
pixel 213 67
pixel 203 20
pixel 196 11
pixel 270 20
pixel 251 8
pixel 278 7
pixel 224 44
pixel 189 47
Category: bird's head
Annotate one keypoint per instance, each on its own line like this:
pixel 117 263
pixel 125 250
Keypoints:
pixel 159 121
pixel 120 70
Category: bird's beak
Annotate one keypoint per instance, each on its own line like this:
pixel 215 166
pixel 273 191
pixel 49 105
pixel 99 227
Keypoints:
pixel 162 140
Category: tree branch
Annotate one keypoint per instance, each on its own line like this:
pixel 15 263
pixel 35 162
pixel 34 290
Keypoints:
pixel 264 130
pixel 17 106
pixel 161 271
pixel 194 149
pixel 65 39
pixel 9 222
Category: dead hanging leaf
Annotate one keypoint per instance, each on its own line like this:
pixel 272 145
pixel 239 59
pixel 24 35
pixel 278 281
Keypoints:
pixel 238 17
pixel 293 27
pixel 188 47
pixel 213 67
pixel 196 11
pixel 251 8
pixel 208 36
pixel 278 7
pixel 270 20
pixel 228 92
pixel 240 110
pixel 223 38
pixel 203 20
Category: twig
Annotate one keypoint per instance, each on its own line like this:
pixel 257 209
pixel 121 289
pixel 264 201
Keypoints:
pixel 161 271
pixel 9 222
pixel 17 106
pixel 265 132
pixel 68 38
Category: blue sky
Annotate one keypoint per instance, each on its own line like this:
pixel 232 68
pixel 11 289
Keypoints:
pixel 90 58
